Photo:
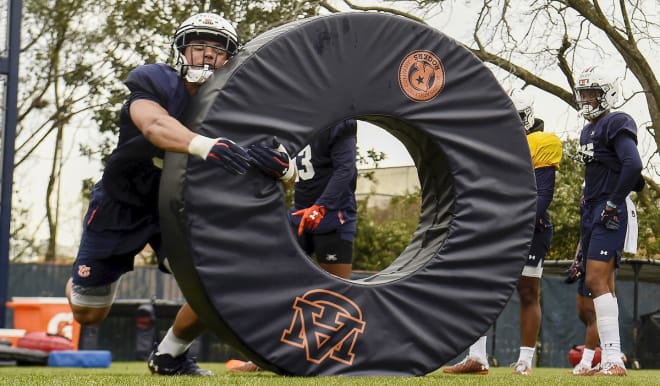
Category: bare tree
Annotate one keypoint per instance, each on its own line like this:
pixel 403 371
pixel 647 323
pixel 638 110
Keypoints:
pixel 58 81
pixel 75 56
pixel 76 53
pixel 542 43
pixel 532 39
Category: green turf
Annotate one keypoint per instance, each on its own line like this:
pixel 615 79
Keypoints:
pixel 136 373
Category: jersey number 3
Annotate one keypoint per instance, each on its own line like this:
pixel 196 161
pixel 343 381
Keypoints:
pixel 304 164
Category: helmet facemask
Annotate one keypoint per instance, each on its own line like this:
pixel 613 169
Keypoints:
pixel 527 118
pixel 524 104
pixel 219 36
pixel 591 106
pixel 197 72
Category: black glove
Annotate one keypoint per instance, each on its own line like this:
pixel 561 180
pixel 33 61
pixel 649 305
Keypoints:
pixel 230 156
pixel 610 219
pixel 576 270
pixel 271 158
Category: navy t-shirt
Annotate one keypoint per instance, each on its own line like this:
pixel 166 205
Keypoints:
pixel 608 148
pixel 130 175
pixel 327 173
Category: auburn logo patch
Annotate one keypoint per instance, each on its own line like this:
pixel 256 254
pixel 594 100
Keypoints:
pixel 421 76
pixel 84 271
pixel 326 325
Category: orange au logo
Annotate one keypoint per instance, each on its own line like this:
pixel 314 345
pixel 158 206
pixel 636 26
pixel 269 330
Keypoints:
pixel 326 325
pixel 84 271
pixel 421 76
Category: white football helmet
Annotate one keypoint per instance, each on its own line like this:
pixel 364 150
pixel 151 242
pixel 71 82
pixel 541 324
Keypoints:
pixel 524 103
pixel 202 26
pixel 606 85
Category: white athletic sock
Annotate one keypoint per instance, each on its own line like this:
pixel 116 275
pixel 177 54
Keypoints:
pixel 587 357
pixel 478 351
pixel 607 319
pixel 527 355
pixel 173 345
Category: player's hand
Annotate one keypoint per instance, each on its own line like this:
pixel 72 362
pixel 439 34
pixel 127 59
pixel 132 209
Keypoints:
pixel 271 158
pixel 609 217
pixel 231 156
pixel 576 270
pixel 310 218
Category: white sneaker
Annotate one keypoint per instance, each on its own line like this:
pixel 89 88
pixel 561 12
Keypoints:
pixel 582 370
pixel 521 368
pixel 612 369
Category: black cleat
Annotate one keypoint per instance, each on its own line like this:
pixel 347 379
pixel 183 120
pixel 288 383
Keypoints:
pixel 165 364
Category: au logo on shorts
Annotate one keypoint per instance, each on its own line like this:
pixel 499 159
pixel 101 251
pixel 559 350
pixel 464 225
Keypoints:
pixel 421 76
pixel 84 271
pixel 326 325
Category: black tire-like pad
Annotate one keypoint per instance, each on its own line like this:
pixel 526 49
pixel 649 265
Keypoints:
pixel 24 356
pixel 229 242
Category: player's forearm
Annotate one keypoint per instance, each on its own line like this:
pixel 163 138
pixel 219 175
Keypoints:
pixel 631 167
pixel 545 185
pixel 159 127
pixel 169 134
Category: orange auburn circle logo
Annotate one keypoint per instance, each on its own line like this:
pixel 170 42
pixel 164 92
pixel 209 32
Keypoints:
pixel 421 76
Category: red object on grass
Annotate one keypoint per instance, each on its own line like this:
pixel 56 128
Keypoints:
pixel 44 342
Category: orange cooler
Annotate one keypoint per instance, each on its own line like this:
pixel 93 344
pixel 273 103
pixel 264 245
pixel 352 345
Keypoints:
pixel 45 314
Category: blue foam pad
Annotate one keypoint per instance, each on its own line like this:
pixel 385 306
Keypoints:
pixel 81 358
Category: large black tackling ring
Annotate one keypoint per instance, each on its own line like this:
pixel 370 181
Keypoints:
pixel 229 242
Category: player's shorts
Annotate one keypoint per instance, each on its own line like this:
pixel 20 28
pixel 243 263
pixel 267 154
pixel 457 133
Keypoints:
pixel 598 242
pixel 538 250
pixel 329 248
pixel 113 234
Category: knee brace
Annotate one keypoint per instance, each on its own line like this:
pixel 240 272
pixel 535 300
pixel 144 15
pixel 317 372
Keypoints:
pixel 95 297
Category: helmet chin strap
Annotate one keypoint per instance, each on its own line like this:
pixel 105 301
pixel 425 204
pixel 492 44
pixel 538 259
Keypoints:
pixel 590 112
pixel 195 74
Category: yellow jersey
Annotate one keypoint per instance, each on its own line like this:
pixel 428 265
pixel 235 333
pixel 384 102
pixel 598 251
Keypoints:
pixel 546 149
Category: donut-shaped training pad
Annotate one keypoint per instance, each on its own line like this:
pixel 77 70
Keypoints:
pixel 229 242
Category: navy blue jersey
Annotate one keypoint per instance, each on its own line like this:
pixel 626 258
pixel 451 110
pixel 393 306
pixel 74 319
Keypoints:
pixel 608 148
pixel 546 152
pixel 545 186
pixel 327 173
pixel 130 176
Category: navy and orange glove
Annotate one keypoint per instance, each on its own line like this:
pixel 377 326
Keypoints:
pixel 272 159
pixel 310 218
pixel 609 217
pixel 229 155
pixel 575 271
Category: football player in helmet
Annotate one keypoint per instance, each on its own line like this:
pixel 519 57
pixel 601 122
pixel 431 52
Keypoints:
pixel 546 152
pixel 608 145
pixel 123 214
pixel 324 212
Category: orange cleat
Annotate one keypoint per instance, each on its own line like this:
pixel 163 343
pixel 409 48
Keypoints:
pixel 467 366
pixel 238 366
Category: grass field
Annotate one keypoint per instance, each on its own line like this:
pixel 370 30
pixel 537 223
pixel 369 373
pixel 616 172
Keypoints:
pixel 136 373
